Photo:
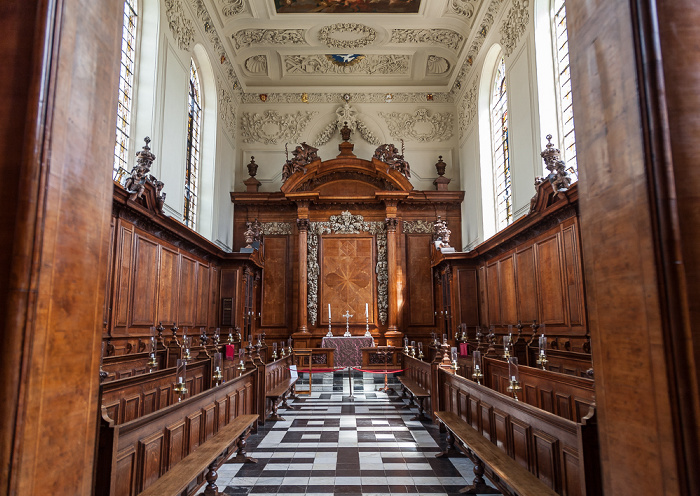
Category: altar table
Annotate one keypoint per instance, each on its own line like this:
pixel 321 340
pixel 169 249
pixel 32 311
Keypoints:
pixel 348 350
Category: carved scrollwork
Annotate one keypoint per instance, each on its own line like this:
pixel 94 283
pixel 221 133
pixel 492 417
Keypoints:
pixel 271 127
pixel 420 125
pixel 346 223
pixel 445 37
pixel 136 182
pixel 389 154
pixel 303 155
pixel 180 25
pixel 232 7
pixel 418 227
pixel 276 228
pixel 247 37
pixel 365 35
pixel 369 64
pixel 514 25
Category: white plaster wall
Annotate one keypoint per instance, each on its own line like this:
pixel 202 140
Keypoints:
pixel 224 184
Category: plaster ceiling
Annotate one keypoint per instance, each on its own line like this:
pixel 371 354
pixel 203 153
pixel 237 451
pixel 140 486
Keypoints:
pixel 344 45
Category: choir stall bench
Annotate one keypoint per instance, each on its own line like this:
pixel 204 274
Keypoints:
pixel 507 474
pixel 416 392
pixel 205 457
pixel 278 393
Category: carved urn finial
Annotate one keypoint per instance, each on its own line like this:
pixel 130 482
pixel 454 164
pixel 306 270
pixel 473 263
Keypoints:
pixel 440 166
pixel 144 157
pixel 550 154
pixel 252 167
pixel 559 177
pixel 441 181
pixel 345 131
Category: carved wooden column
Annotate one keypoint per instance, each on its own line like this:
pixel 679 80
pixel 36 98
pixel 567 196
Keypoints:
pixel 393 335
pixel 303 225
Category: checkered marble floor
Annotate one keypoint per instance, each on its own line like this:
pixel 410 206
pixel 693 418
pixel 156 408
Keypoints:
pixel 332 444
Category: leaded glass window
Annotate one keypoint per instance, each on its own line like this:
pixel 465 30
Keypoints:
pixel 501 150
pixel 566 108
pixel 194 125
pixel 126 89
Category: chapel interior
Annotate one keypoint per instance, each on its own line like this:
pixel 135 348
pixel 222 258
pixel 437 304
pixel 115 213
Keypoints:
pixel 495 200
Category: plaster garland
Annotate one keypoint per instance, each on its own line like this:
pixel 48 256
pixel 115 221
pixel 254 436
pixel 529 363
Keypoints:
pixel 248 37
pixel 232 8
pixel 346 223
pixel 465 8
pixel 254 98
pixel 403 125
pixel 180 25
pixel 366 35
pixel 514 25
pixel 256 127
pixel 446 37
pixel 370 64
pixel 227 110
pixel 468 107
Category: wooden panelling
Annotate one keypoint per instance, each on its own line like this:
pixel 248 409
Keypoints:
pixel 188 287
pixel 125 472
pixel 175 435
pixel 506 284
pixel 144 285
pixel 123 282
pixel 150 452
pixel 168 284
pixel 202 294
pixel 419 280
pixel 549 282
pixel 275 282
pixel 573 275
pixel 493 294
pixel 526 285
pixel 468 296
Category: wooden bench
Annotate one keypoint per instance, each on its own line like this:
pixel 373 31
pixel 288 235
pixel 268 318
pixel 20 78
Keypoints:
pixel 205 457
pixel 280 391
pixel 507 474
pixel 417 393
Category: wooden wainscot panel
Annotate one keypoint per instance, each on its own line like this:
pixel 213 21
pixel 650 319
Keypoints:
pixel 506 284
pixel 526 284
pixel 520 434
pixel 573 275
pixel 188 286
pixel 501 433
pixel 232 405
pixel 168 284
pixel 463 405
pixel 275 282
pixel 475 412
pixel 202 294
pixel 546 449
pixel 222 414
pixel 550 284
pixel 175 437
pixel 213 314
pixel 151 450
pixel 209 413
pixel 492 294
pixel 150 401
pixel 563 405
pixel 123 282
pixel 143 308
pixel 194 430
pixel 467 297
pixel 486 414
pixel 125 472
pixel 131 407
pixel 572 475
pixel 419 280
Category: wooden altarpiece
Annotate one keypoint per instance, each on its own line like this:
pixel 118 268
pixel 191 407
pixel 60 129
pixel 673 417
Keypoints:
pixel 350 233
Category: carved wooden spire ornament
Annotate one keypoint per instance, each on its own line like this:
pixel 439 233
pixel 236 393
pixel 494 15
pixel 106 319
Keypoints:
pixel 136 182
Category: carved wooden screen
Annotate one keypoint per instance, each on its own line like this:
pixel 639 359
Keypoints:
pixel 347 277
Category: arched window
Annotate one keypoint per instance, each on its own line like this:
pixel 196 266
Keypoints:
pixel 566 110
pixel 126 90
pixel 501 151
pixel 194 125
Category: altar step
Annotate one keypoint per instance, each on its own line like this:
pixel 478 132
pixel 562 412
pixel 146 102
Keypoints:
pixel 329 382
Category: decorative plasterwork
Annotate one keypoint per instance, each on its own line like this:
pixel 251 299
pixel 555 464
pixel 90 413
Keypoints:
pixel 232 8
pixel 346 114
pixel 257 65
pixel 180 25
pixel 271 127
pixel 227 111
pixel 486 23
pixel 468 107
pixel 465 8
pixel 254 98
pixel 276 228
pixel 446 37
pixel 371 64
pixel 247 37
pixel 418 227
pixel 215 40
pixel 352 35
pixel 514 25
pixel 419 126
pixel 346 223
pixel 437 65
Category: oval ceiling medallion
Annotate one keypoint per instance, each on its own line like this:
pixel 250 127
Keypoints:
pixel 347 35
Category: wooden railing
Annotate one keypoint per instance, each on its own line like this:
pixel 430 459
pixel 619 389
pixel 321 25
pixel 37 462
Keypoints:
pixel 381 358
pixel 136 453
pixel 560 452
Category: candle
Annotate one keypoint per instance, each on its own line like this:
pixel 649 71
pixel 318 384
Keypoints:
pixel 512 378
pixel 179 379
pixel 367 310
pixel 329 312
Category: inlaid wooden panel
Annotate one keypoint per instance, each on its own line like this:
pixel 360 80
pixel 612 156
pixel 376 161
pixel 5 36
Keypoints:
pixel 123 282
pixel 546 449
pixel 202 294
pixel 168 284
pixel 144 286
pixel 468 296
pixel 124 483
pixel 150 454
pixel 573 276
pixel 188 287
pixel 419 280
pixel 506 284
pixel 347 277
pixel 175 437
pixel 274 283
pixel 527 286
pixel 492 291
pixel 550 284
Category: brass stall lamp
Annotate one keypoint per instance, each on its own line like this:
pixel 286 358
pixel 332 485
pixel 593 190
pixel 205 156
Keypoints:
pixel 477 375
pixel 181 374
pixel 514 375
pixel 152 361
pixel 542 357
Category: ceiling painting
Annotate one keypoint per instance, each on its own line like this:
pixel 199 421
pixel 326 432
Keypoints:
pixel 347 6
